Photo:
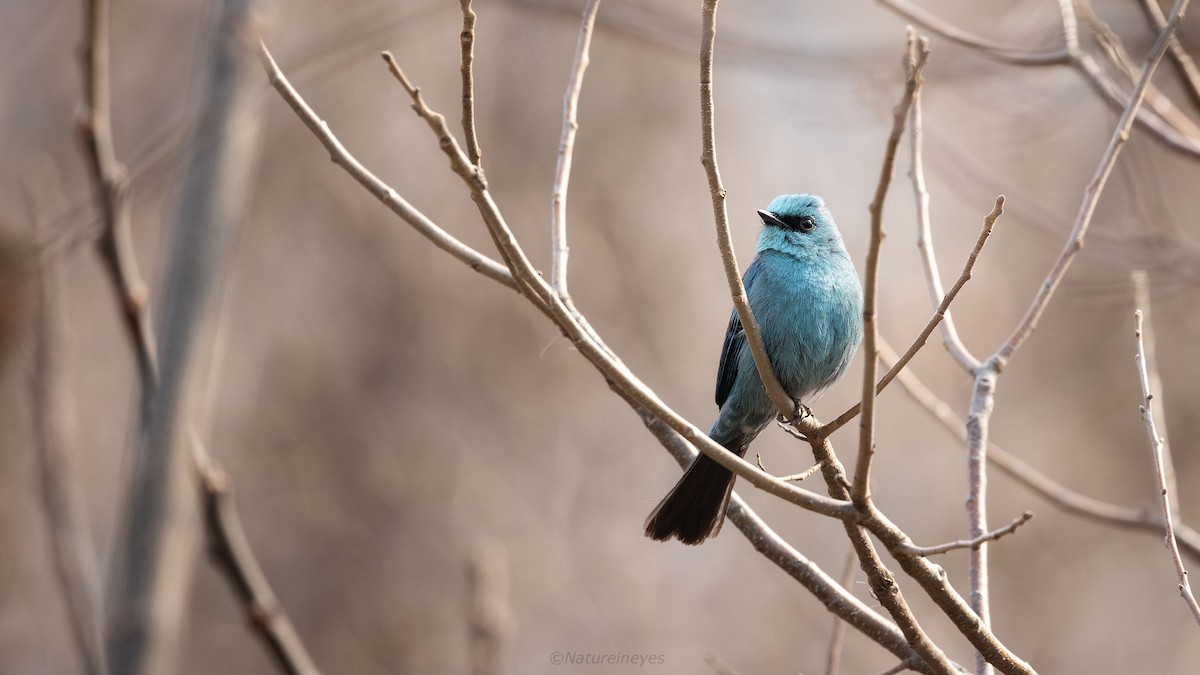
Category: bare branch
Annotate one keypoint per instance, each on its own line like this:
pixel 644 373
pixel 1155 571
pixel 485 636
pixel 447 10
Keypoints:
pixel 74 560
pixel 1002 52
pixel 833 654
pixel 566 150
pixel 916 55
pixel 1071 54
pixel 1053 492
pixel 733 275
pixel 989 223
pixel 933 277
pixel 767 542
pixel 382 191
pixel 1091 195
pixel 154 561
pixel 467 40
pixel 1188 72
pixel 232 554
pixel 966 543
pixel 879 578
pixel 544 298
pixel 111 186
pixel 1158 445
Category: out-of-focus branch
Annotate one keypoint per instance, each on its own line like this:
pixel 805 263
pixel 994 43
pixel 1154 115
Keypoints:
pixel 1189 74
pixel 489 611
pixel 898 365
pixel 1053 492
pixel 1002 52
pixel 1093 191
pixel 62 493
pixel 733 274
pixel 967 543
pixel 566 151
pixel 1114 49
pixel 916 55
pixel 231 552
pixel 933 276
pixel 1163 123
pixel 837 636
pixel 154 558
pixel 111 186
pixel 1158 446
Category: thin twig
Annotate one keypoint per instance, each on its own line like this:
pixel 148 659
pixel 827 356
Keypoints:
pixel 916 55
pixel 231 553
pixel 807 473
pixel 1158 445
pixel 837 636
pixel 898 668
pixel 566 151
pixel 1165 130
pixel 1092 193
pixel 1141 300
pixel 467 40
pixel 382 191
pixel 967 543
pixel 989 223
pixel 1037 482
pixel 733 274
pixel 933 277
pixel 110 183
pixel 1189 74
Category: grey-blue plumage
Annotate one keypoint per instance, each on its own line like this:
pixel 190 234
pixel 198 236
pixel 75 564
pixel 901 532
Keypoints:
pixel 807 299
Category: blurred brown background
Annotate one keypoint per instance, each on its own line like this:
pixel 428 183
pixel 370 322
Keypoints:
pixel 383 410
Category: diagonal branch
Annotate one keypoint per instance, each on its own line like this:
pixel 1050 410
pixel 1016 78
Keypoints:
pixel 989 223
pixel 1037 482
pixel 382 191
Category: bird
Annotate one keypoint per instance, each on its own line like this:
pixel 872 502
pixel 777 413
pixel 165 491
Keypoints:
pixel 807 298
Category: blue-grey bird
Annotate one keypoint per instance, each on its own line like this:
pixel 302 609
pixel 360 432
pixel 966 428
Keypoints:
pixel 807 299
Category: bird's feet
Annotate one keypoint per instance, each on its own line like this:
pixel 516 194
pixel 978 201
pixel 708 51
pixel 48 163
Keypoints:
pixel 800 412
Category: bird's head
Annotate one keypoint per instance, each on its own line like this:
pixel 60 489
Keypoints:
pixel 799 224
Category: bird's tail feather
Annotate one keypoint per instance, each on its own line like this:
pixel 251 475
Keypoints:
pixel 695 508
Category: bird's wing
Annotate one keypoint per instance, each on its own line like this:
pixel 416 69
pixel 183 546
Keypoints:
pixel 735 342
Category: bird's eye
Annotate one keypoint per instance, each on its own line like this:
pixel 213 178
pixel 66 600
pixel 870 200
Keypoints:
pixel 807 223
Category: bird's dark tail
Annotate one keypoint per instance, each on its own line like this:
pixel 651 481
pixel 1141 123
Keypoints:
pixel 695 508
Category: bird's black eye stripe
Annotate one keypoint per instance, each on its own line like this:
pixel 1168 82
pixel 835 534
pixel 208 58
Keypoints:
pixel 799 223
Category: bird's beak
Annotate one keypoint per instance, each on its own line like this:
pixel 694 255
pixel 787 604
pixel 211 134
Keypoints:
pixel 769 218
